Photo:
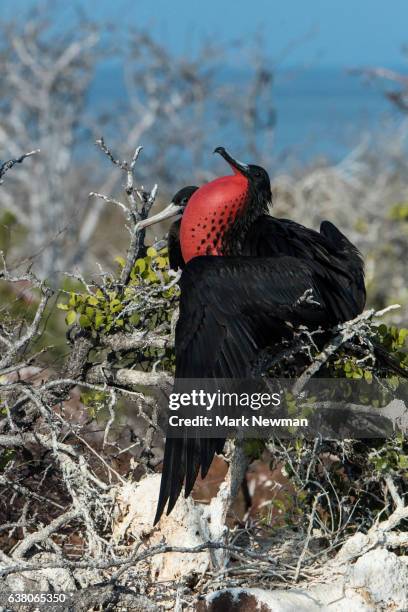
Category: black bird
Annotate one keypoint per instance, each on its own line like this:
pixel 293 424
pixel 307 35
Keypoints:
pixel 174 209
pixel 247 279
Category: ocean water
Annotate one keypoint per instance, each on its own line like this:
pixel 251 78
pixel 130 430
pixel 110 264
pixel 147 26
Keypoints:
pixel 320 113
pixel 327 112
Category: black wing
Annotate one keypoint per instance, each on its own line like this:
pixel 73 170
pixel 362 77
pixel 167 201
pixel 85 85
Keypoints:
pixel 352 259
pixel 271 237
pixel 230 308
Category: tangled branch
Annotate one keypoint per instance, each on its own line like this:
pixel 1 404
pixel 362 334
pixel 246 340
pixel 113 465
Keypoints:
pixel 6 166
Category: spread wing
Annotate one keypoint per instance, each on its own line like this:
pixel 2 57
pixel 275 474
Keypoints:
pixel 271 237
pixel 230 308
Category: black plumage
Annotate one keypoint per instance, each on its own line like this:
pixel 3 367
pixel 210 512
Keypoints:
pixel 234 305
pixel 173 240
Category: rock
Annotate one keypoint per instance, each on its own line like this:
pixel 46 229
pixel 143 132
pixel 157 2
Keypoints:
pixel 255 600
pixel 135 510
pixel 319 599
pixel 353 547
pixel 110 597
pixel 383 576
pixel 58 579
pixel 378 580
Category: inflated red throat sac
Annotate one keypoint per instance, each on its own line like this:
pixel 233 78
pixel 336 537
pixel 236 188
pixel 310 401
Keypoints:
pixel 210 212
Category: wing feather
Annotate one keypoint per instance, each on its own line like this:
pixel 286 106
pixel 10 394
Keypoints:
pixel 230 308
pixel 271 237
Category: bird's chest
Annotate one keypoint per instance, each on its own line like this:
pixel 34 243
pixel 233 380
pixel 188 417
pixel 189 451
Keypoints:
pixel 212 232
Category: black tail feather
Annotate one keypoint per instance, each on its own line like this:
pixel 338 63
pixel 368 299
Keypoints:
pixel 192 465
pixel 173 452
pixel 182 461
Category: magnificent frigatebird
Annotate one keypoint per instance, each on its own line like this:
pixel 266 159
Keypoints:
pixel 244 284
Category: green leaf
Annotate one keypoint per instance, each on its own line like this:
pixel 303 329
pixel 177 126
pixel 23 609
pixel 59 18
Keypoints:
pixel 140 265
pixel 394 381
pixel 403 333
pixel 134 319
pixel 161 262
pixel 99 320
pixel 89 312
pixel 71 317
pixel 72 299
pixel 84 321
pixel 61 306
pixel 152 277
pixel 6 456
pixel 115 307
pixel 93 301
pixel 403 462
pixel 151 252
pixel 121 261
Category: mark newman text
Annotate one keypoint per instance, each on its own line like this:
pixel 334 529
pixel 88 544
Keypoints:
pixel 242 421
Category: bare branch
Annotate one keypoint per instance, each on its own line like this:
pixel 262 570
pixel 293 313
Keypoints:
pixel 44 533
pixel 344 332
pixel 108 200
pixel 6 166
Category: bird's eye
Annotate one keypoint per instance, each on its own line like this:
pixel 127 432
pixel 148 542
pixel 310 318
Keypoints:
pixel 184 201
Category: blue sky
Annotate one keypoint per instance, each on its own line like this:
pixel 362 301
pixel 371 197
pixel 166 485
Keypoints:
pixel 319 32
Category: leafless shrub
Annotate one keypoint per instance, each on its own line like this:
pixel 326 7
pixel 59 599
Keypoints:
pixel 62 468
pixel 365 195
pixel 399 96
pixel 173 102
pixel 60 477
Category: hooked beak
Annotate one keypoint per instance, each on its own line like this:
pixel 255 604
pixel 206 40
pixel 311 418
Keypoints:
pixel 170 211
pixel 237 166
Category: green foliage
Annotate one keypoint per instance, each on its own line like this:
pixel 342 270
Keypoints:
pixel 253 448
pixel 391 457
pixel 94 401
pixel 348 367
pixel 20 305
pixel 399 212
pixel 393 339
pixel 285 510
pixel 351 472
pixel 112 308
pixel 346 476
pixel 5 457
pixel 145 303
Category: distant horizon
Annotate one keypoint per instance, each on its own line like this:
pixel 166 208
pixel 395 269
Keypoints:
pixel 320 111
pixel 295 34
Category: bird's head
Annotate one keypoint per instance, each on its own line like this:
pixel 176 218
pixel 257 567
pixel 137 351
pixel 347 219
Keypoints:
pixel 218 214
pixel 210 213
pixel 257 177
pixel 174 209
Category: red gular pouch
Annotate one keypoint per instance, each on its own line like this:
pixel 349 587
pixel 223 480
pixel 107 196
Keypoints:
pixel 209 214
